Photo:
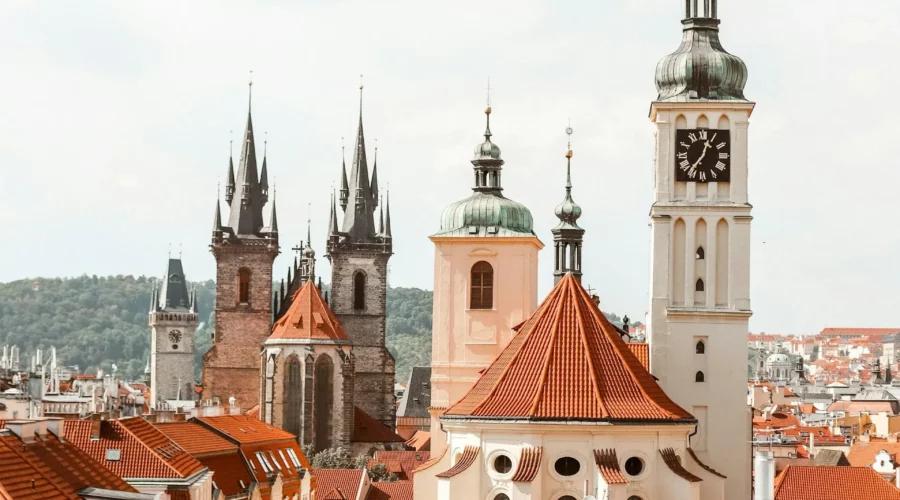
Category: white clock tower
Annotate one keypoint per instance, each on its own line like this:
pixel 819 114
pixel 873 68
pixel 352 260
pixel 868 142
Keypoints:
pixel 700 242
pixel 173 323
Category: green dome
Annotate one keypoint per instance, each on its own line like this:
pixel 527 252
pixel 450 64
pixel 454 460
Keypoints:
pixel 486 214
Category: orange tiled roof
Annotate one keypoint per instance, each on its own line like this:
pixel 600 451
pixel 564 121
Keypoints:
pixel 567 361
pixel 402 462
pixel 529 465
pixel 229 471
pixel 431 461
pixel 703 465
pixel 608 466
pixel 420 441
pixel 862 454
pixel 244 429
pixel 368 430
pixel 308 317
pixel 145 451
pixel 674 465
pixel 400 490
pixel 195 438
pixel 337 484
pixel 797 482
pixel 859 331
pixel 469 454
pixel 642 351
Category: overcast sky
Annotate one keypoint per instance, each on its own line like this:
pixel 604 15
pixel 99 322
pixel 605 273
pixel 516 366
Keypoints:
pixel 116 118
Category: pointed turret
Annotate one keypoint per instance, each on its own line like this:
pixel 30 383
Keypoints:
pixel 308 259
pixel 381 220
pixel 387 216
pixel 229 183
pixel 217 221
pixel 153 298
pixel 359 223
pixel 332 219
pixel 173 294
pixel 374 183
pixel 345 187
pixel 567 235
pixel 245 217
pixel 264 175
pixel 273 220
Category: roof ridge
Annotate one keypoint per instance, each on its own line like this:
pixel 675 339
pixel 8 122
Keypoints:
pixel 153 450
pixel 547 357
pixel 590 360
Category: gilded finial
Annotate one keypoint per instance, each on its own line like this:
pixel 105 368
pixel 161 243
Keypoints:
pixel 569 132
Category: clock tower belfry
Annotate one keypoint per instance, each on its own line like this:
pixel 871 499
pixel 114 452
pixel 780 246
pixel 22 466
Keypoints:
pixel 700 242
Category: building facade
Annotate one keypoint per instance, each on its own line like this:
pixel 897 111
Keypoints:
pixel 700 242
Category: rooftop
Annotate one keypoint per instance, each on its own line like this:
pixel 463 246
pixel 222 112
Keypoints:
pixel 308 317
pixel 798 482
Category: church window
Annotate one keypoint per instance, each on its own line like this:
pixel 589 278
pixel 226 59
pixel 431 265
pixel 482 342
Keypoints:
pixel 482 286
pixel 701 254
pixel 244 286
pixel 293 396
pixel 699 377
pixel 701 347
pixel 634 466
pixel 501 496
pixel 700 286
pixel 323 401
pixel 502 464
pixel 567 466
pixel 359 290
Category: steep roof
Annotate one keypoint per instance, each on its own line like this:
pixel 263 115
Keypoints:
pixel 173 293
pixel 862 454
pixel 402 463
pixel 338 484
pixel 568 362
pixel 798 482
pixel 308 318
pixel 417 397
pixel 245 430
pixel 194 438
pixel 368 430
pixel 400 490
pixel 642 351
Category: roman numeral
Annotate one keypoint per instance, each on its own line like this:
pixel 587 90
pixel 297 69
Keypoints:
pixel 682 156
pixel 713 173
pixel 685 165
pixel 720 145
pixel 723 156
pixel 703 134
pixel 693 137
pixel 685 145
pixel 702 176
pixel 692 173
pixel 720 166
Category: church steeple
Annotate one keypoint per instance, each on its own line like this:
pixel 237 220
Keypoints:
pixel 245 217
pixel 264 175
pixel 229 183
pixel 567 235
pixel 345 186
pixel 487 162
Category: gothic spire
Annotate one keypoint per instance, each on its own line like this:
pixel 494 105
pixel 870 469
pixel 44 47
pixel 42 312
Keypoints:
pixel 374 183
pixel 332 218
pixel 229 182
pixel 245 217
pixel 567 235
pixel 387 216
pixel 359 221
pixel 264 175
pixel 345 187
pixel 173 294
pixel 217 222
pixel 381 220
pixel 273 220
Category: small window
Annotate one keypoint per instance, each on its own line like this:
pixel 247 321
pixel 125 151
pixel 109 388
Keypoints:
pixel 699 377
pixel 502 464
pixel 274 460
pixel 294 458
pixel 567 497
pixel 482 286
pixel 634 466
pixel 359 290
pixel 701 347
pixel 567 466
pixel 701 254
pixel 113 455
pixel 261 456
pixel 700 287
pixel 244 286
pixel 635 497
pixel 501 496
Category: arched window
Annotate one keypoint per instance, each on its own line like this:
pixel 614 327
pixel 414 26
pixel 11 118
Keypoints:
pixel 482 286
pixel 700 287
pixel 701 254
pixel 323 401
pixel 501 496
pixel 359 290
pixel 244 286
pixel 293 396
pixel 699 377
pixel 701 347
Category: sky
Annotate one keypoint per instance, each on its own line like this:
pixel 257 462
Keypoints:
pixel 117 116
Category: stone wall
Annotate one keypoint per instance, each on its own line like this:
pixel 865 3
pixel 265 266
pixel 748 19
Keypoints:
pixel 171 362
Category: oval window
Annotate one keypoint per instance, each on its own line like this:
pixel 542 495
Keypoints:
pixel 567 497
pixel 634 466
pixel 567 466
pixel 502 464
pixel 501 496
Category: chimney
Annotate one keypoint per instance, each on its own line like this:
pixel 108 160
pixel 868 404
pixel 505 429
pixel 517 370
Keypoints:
pixel 764 467
pixel 40 426
pixel 96 424
pixel 179 417
pixel 57 427
pixel 23 429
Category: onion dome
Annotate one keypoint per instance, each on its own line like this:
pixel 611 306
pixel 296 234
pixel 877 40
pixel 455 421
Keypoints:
pixel 568 211
pixel 487 212
pixel 701 69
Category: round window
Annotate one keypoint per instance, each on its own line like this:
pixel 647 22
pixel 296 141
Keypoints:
pixel 634 497
pixel 567 466
pixel 502 464
pixel 174 346
pixel 501 496
pixel 567 497
pixel 634 466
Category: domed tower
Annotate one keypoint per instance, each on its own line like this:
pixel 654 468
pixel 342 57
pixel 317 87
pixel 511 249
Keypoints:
pixel 567 235
pixel 700 241
pixel 485 281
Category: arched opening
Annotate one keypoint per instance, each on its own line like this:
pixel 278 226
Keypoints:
pixel 702 121
pixel 701 254
pixel 244 285
pixel 482 293
pixel 679 244
pixel 699 377
pixel 701 347
pixel 359 290
pixel 323 401
pixel 700 286
pixel 293 396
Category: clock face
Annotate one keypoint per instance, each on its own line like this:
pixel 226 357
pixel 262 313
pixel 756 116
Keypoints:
pixel 703 155
pixel 175 335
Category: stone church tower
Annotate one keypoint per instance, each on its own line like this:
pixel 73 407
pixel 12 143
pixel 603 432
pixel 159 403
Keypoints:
pixel 359 253
pixel 700 242
pixel 245 249
pixel 173 322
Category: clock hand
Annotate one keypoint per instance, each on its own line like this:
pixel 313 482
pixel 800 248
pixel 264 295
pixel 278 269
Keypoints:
pixel 705 146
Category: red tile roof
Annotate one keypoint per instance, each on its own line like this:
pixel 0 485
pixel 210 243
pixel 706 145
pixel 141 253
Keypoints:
pixel 337 484
pixel 195 438
pixel 567 361
pixel 420 441
pixel 798 482
pixel 368 430
pixel 229 471
pixel 469 454
pixel 529 465
pixel 401 490
pixel 308 317
pixel 608 466
pixel 145 451
pixel 245 429
pixel 862 454
pixel 859 331
pixel 402 463
pixel 642 351
pixel 431 461
pixel 674 464
pixel 703 465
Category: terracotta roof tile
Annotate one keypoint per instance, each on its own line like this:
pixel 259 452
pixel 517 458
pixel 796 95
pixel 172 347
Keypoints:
pixel 469 454
pixel 608 466
pixel 401 490
pixel 674 464
pixel 642 351
pixel 338 484
pixel 431 461
pixel 179 494
pixel 402 463
pixel 703 465
pixel 529 465
pixel 859 331
pixel 145 451
pixel 798 482
pixel 245 429
pixel 368 430
pixel 229 471
pixel 195 438
pixel 308 317
pixel 862 454
pixel 567 361
pixel 420 441
pixel 278 458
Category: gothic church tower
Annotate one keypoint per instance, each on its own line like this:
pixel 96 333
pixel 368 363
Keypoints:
pixel 173 322
pixel 359 254
pixel 245 249
pixel 700 242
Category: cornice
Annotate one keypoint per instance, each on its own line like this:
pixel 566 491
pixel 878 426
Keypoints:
pixel 482 240
pixel 692 313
